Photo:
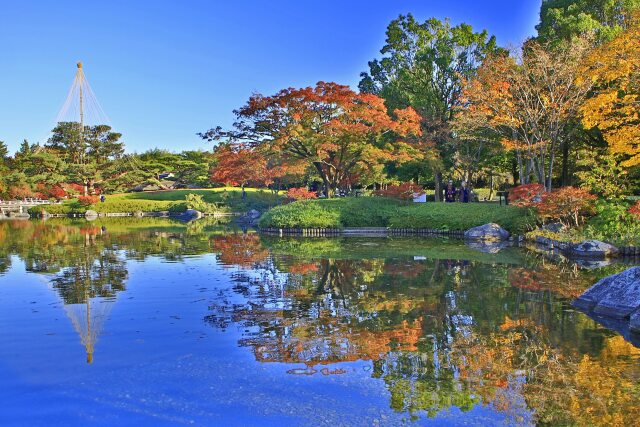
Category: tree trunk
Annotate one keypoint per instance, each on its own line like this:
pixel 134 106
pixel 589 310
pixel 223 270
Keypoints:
pixel 328 187
pixel 438 187
pixel 566 146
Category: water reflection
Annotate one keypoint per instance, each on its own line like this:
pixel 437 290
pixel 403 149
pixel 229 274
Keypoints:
pixel 441 333
pixel 440 324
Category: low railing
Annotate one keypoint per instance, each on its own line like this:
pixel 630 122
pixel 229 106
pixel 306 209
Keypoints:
pixel 27 202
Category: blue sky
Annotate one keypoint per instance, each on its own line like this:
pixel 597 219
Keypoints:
pixel 164 70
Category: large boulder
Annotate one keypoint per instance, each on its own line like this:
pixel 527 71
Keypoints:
pixel 487 232
pixel 593 249
pixel 614 296
pixel 554 227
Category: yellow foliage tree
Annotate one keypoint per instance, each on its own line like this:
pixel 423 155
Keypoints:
pixel 615 108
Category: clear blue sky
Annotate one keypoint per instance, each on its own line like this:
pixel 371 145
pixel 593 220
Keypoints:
pixel 164 70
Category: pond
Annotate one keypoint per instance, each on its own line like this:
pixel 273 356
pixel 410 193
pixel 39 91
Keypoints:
pixel 155 322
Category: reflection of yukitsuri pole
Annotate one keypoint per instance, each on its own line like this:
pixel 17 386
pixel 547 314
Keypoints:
pixel 89 343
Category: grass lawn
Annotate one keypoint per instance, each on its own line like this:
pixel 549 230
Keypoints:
pixel 228 198
pixel 382 212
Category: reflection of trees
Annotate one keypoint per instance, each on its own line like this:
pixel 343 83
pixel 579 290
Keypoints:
pixel 95 273
pixel 89 260
pixel 439 333
pixel 239 249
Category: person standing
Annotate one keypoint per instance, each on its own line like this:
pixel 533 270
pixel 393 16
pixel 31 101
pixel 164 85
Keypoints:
pixel 450 192
pixel 465 193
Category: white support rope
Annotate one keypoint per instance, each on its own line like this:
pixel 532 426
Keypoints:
pixel 93 112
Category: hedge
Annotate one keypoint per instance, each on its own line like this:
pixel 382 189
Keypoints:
pixel 382 212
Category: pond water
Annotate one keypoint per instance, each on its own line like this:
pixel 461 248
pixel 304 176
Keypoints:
pixel 154 322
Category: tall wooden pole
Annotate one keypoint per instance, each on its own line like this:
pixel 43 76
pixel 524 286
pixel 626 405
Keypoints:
pixel 80 83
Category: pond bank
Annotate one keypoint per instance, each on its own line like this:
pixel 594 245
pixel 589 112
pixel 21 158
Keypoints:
pixel 567 248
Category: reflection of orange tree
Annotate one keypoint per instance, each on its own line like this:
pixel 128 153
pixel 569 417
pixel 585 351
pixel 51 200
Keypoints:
pixel 240 249
pixel 440 344
pixel 560 280
pixel 583 390
pixel 518 362
pixel 325 339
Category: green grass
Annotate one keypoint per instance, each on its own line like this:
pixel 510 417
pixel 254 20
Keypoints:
pixel 381 212
pixel 227 198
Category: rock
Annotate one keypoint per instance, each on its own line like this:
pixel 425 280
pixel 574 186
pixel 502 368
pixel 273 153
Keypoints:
pixel 253 214
pixel 91 214
pixel 193 214
pixel 249 218
pixel 593 249
pixel 614 296
pixel 487 232
pixel 554 227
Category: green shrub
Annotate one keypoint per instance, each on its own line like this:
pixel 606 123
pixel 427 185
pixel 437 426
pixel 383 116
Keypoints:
pixel 613 223
pixel 196 201
pixel 462 216
pixel 381 212
pixel 302 214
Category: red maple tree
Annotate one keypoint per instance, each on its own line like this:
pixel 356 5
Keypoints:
pixel 330 127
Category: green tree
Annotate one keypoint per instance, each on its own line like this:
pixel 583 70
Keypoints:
pixel 97 145
pixel 422 66
pixel 4 151
pixel 565 19
pixel 88 155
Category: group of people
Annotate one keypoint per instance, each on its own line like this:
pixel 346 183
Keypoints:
pixel 453 194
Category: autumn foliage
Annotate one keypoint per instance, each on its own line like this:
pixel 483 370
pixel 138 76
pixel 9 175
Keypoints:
pixel 566 204
pixel 238 165
pixel 20 192
pixel 330 127
pixel 615 69
pixel 301 193
pixel 526 195
pixel 87 200
pixel 635 210
pixel 404 191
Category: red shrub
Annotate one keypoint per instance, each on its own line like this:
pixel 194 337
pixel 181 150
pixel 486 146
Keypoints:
pixel 87 200
pixel 74 188
pixel 45 192
pixel 301 193
pixel 635 210
pixel 526 195
pixel 565 204
pixel 404 191
pixel 20 192
pixel 57 192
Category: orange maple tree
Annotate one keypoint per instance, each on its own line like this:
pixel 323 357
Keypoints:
pixel 528 104
pixel 526 195
pixel 301 193
pixel 238 166
pixel 404 191
pixel 615 69
pixel 330 127
pixel 566 204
